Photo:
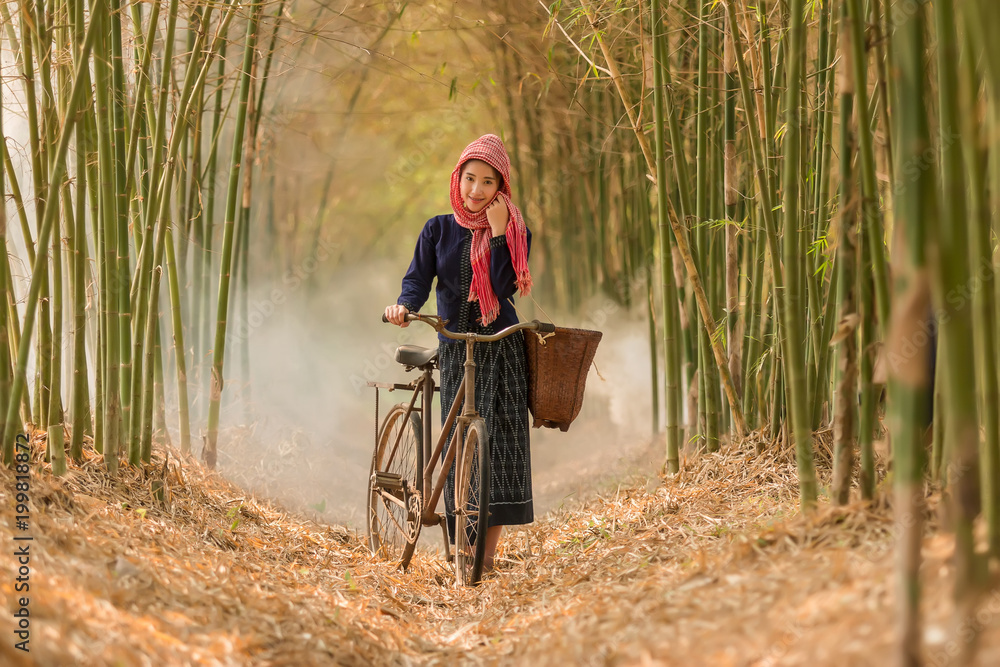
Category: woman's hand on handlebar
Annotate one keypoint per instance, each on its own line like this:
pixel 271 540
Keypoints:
pixel 396 314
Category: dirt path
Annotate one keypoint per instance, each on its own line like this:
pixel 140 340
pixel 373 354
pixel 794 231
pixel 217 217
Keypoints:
pixel 712 568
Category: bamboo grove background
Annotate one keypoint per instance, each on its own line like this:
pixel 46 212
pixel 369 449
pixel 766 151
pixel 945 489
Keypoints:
pixel 802 195
pixel 146 153
pixel 818 183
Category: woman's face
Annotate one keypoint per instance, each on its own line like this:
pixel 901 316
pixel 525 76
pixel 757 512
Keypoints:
pixel 479 184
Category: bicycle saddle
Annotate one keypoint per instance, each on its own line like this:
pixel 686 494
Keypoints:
pixel 414 355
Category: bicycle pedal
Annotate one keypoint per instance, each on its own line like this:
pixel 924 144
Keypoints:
pixel 389 481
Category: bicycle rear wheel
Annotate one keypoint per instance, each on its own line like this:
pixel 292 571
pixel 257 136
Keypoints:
pixel 394 501
pixel 472 505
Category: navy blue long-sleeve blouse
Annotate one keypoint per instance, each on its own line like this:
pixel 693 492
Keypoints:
pixel 439 253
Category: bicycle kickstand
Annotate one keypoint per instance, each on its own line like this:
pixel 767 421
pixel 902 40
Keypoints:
pixel 448 557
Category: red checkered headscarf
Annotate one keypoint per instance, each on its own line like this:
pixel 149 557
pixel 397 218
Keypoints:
pixel 490 149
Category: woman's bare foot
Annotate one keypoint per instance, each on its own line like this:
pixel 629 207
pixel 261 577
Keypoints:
pixel 492 539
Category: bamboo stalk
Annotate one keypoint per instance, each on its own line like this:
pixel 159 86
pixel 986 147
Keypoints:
pixel 951 273
pixel 685 332
pixel 246 390
pixel 752 312
pixel 179 349
pixel 241 287
pixel 731 201
pixel 845 415
pixel 880 40
pixel 55 440
pixel 6 289
pixel 668 304
pixel 793 351
pixel 77 242
pixel 48 195
pixel 984 298
pixel 110 298
pixel 820 394
pixel 141 110
pixel 866 416
pixel 196 206
pixel 144 409
pixel 15 193
pixel 40 126
pixel 869 183
pixel 38 163
pixel 703 234
pixel 215 394
pixel 823 311
pixel 8 24
pixel 654 363
pixel 186 174
pixel 203 333
pixel 909 380
pixel 120 143
pixel 161 435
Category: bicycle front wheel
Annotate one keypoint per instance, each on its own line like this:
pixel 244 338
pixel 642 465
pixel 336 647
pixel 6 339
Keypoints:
pixel 394 501
pixel 472 505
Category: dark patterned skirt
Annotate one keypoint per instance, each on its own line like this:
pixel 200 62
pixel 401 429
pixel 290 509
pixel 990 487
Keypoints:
pixel 502 401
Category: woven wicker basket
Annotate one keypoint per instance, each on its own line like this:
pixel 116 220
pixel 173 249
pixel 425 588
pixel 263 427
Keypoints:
pixel 557 374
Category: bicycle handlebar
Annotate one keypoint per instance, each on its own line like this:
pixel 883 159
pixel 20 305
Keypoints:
pixel 546 327
pixel 438 324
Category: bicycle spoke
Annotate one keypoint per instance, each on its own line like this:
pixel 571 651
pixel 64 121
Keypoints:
pixel 399 526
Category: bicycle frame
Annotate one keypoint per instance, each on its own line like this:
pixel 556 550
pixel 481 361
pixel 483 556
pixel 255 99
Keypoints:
pixel 424 386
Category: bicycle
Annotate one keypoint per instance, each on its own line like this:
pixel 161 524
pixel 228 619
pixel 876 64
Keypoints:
pixel 402 493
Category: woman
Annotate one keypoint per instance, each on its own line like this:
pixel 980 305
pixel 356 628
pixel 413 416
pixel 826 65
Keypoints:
pixel 479 255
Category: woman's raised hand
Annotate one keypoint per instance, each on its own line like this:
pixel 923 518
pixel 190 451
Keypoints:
pixel 498 215
pixel 397 315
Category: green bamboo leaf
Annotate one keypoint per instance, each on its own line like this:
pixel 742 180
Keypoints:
pixel 720 333
pixel 320 506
